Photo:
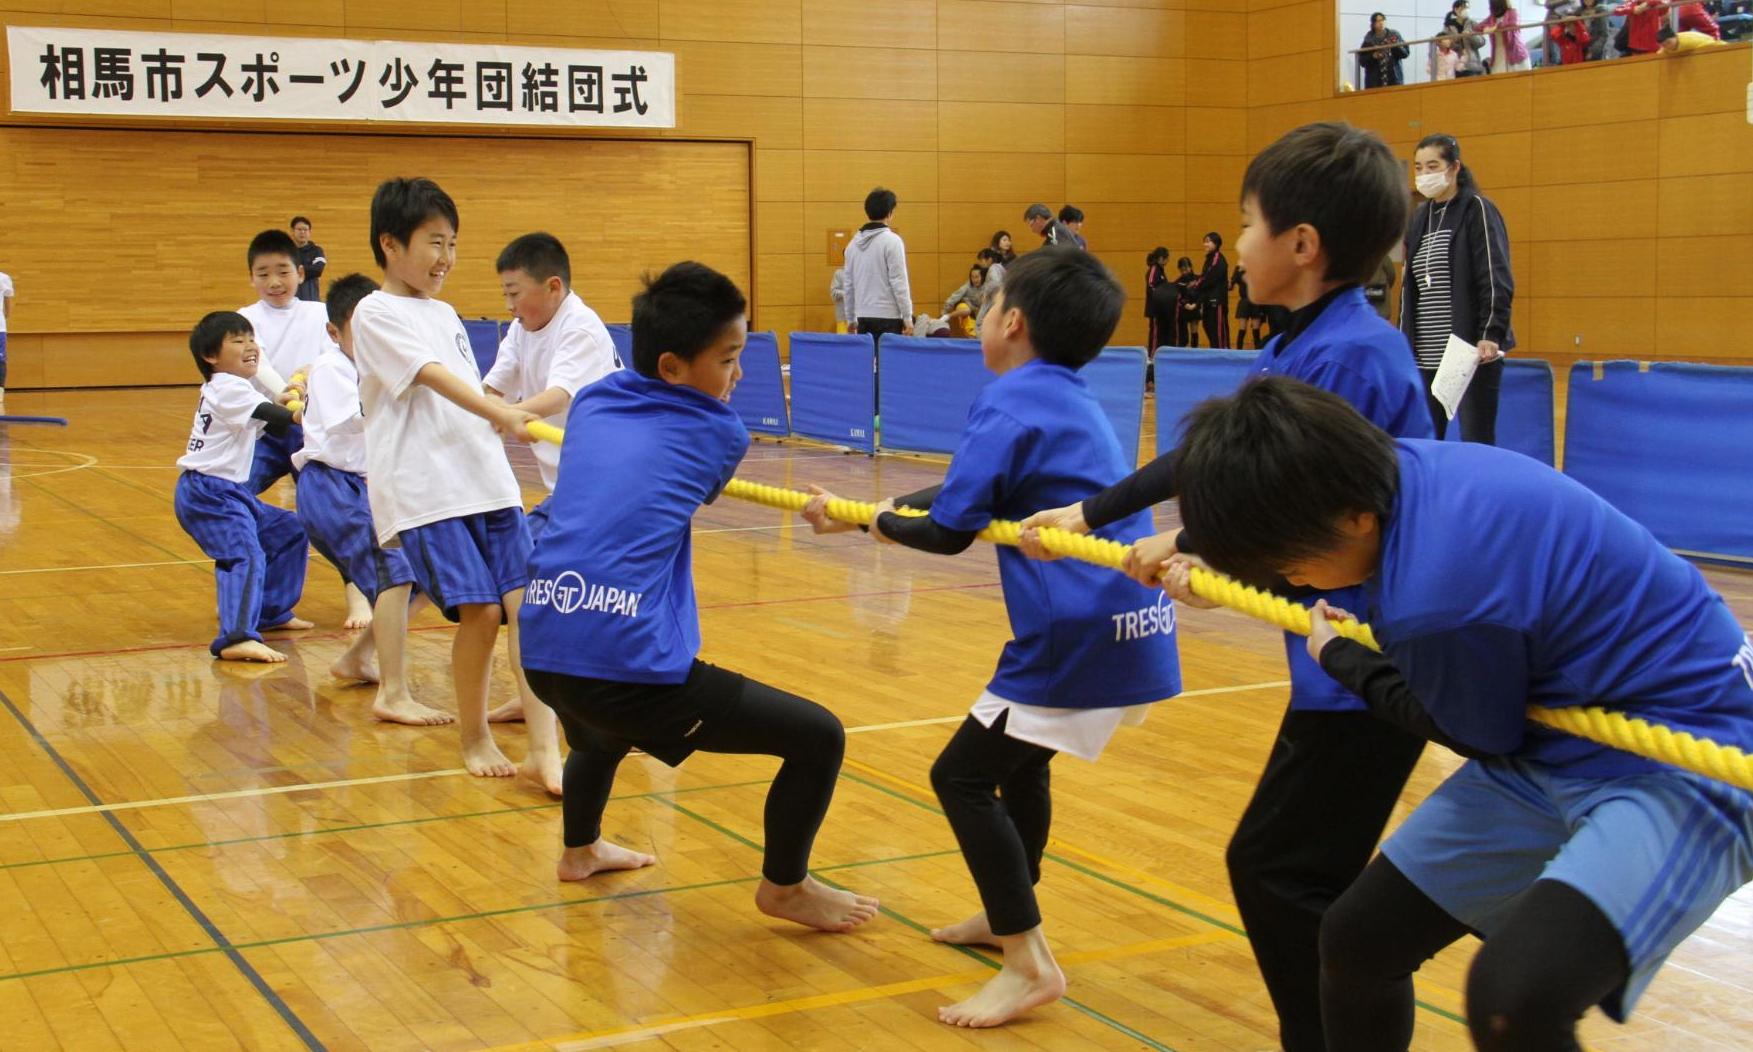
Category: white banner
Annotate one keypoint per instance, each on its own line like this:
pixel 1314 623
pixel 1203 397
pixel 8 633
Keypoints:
pixel 127 74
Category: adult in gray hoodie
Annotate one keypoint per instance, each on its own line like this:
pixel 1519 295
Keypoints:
pixel 878 298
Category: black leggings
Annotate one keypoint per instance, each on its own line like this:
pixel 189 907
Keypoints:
pixel 1556 955
pixel 996 792
pixel 721 712
pixel 1341 773
pixel 1478 408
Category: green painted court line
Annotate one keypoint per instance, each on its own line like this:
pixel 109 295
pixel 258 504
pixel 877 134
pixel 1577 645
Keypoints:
pixel 431 921
pixel 1123 885
pixel 362 826
pixel 909 922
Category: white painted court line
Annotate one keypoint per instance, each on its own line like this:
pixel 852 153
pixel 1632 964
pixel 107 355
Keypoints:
pixel 107 566
pixel 414 776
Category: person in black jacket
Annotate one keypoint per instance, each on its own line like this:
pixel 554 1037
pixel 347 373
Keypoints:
pixel 1458 281
pixel 1187 306
pixel 311 258
pixel 1382 66
pixel 1213 292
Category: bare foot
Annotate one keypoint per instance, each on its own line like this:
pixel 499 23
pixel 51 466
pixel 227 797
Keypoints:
pixel 1030 978
pixel 814 905
pixel 510 712
pixel 975 931
pixel 577 863
pixel 484 760
pixel 402 708
pixel 354 668
pixel 358 609
pixel 291 624
pixel 251 650
pixel 544 772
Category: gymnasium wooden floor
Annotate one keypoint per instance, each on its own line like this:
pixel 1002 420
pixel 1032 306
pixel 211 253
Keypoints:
pixel 217 857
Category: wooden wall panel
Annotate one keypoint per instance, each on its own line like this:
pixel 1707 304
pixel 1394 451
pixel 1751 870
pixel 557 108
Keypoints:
pixel 981 25
pixel 888 23
pixel 1126 129
pixel 1125 81
pixel 1125 31
pixel 870 73
pixel 975 76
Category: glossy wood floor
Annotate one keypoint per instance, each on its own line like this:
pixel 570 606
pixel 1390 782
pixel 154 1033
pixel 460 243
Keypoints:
pixel 209 856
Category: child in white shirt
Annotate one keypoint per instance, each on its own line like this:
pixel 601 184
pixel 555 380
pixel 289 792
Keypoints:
pixel 258 550
pixel 441 488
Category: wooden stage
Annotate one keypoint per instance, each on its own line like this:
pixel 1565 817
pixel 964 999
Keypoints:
pixel 212 856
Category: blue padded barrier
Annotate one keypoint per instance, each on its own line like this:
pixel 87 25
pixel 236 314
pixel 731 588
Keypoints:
pixel 622 337
pixel 1184 378
pixel 759 397
pixel 1524 410
pixel 1668 447
pixel 1116 378
pixel 928 386
pixel 833 388
pixel 484 337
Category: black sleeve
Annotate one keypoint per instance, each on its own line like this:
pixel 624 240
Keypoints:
pixel 1149 485
pixel 1372 677
pixel 919 499
pixel 920 532
pixel 277 417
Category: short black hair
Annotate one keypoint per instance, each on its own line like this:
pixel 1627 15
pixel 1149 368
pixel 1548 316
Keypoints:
pixel 345 294
pixel 1070 301
pixel 1266 474
pixel 682 311
pixel 1449 149
pixel 540 255
pixel 274 243
pixel 399 207
pixel 1036 211
pixel 1665 33
pixel 297 220
pixel 1214 237
pixel 209 335
pixel 1157 255
pixel 1341 180
pixel 1183 263
pixel 989 254
pixel 1071 214
pixel 879 204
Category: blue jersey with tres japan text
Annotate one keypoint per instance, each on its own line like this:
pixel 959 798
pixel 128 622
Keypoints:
pixel 1349 350
pixel 1504 584
pixel 1085 636
pixel 611 592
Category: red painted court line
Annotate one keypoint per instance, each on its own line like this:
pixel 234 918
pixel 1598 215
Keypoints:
pixel 311 636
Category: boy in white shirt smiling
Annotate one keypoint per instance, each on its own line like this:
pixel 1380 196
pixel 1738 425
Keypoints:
pixel 258 550
pixel 291 333
pixel 441 488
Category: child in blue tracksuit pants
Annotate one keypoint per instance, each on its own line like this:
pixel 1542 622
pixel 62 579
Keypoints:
pixel 258 551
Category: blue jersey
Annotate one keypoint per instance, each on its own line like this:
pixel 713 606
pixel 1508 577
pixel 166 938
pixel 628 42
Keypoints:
pixel 1349 350
pixel 611 591
pixel 1503 584
pixel 1085 637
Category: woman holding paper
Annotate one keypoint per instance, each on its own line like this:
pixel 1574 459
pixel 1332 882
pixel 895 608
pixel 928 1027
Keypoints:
pixel 1457 284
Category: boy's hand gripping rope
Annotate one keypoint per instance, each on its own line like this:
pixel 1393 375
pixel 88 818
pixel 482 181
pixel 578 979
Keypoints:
pixel 1725 763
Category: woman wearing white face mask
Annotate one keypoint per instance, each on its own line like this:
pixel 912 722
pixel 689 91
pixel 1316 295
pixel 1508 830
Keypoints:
pixel 1457 281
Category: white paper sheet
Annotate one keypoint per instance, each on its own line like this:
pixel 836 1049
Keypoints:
pixel 1460 362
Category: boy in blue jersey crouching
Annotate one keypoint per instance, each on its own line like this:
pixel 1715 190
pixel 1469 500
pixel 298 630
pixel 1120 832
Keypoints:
pixel 1091 650
pixel 611 632
pixel 1581 866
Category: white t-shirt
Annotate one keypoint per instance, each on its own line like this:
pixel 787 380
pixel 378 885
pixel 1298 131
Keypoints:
pixel 428 459
pixel 222 441
pixel 334 424
pixel 5 291
pixel 291 337
pixel 571 352
pixel 1083 733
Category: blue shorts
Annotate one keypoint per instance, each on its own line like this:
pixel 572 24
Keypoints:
pixel 1656 852
pixel 474 559
pixel 537 517
pixel 335 512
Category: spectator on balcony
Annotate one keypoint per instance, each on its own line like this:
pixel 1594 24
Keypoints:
pixel 1672 43
pixel 1695 18
pixel 1508 53
pixel 1445 61
pixel 1571 40
pixel 1600 32
pixel 1643 20
pixel 1459 24
pixel 1381 67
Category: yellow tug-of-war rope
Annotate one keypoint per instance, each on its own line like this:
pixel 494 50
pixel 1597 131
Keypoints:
pixel 1725 763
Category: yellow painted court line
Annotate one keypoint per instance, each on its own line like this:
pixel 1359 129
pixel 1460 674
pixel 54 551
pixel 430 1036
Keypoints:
pixel 627 1035
pixel 236 794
